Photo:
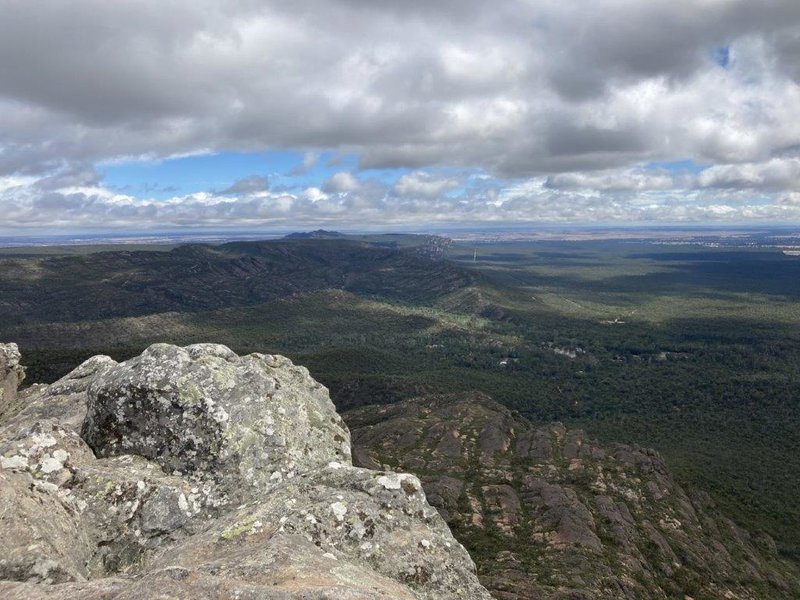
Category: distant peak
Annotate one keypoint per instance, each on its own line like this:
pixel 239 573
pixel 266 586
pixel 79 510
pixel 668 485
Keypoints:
pixel 318 234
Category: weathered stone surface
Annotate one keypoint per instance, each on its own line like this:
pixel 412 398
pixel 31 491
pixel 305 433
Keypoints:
pixel 503 506
pixel 40 534
pixel 64 402
pixel 210 475
pixel 245 422
pixel 11 375
pixel 376 519
pixel 549 513
pixel 130 508
pixel 560 517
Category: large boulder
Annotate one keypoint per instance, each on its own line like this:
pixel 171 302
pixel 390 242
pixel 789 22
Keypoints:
pixel 194 472
pixel 244 423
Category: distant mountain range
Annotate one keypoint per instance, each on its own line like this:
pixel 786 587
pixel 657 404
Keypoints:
pixel 202 277
pixel 315 235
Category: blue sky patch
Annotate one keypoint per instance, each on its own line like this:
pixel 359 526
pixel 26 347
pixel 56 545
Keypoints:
pixel 285 170
pixel 677 166
pixel 722 56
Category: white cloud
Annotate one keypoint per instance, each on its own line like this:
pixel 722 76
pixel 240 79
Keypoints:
pixel 566 97
pixel 776 174
pixel 424 185
pixel 376 204
pixel 341 182
pixel 612 180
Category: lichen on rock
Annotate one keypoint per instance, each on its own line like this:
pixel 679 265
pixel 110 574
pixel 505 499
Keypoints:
pixel 205 412
pixel 194 472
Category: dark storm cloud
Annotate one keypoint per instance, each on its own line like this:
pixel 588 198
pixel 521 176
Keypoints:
pixel 616 41
pixel 786 44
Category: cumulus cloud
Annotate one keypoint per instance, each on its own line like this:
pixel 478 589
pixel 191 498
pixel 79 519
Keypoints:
pixel 375 203
pixel 775 175
pixel 568 94
pixel 341 182
pixel 614 180
pixel 424 185
pixel 470 83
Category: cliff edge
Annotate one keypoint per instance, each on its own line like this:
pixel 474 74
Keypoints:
pixel 196 473
pixel 547 512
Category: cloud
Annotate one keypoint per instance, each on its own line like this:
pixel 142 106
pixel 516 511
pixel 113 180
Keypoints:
pixel 309 160
pixel 613 181
pixel 77 175
pixel 571 95
pixel 517 88
pixel 254 183
pixel 341 182
pixel 423 199
pixel 424 185
pixel 774 175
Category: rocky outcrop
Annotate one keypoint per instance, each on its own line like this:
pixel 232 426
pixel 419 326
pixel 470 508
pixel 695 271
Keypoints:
pixel 547 512
pixel 11 375
pixel 236 425
pixel 192 473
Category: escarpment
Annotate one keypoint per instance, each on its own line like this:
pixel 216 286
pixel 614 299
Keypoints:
pixel 196 473
pixel 548 513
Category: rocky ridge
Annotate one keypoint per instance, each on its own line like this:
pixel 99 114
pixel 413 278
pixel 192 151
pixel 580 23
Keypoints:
pixel 194 472
pixel 548 513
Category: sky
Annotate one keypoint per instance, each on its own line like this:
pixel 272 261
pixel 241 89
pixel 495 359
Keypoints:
pixel 392 114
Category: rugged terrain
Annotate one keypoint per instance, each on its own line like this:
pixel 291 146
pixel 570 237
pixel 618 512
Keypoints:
pixel 196 473
pixel 202 277
pixel 693 351
pixel 547 512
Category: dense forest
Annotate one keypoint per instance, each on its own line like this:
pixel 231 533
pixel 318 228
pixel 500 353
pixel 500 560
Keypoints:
pixel 692 350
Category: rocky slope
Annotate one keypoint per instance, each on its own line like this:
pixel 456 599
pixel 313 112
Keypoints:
pixel 548 513
pixel 11 375
pixel 196 473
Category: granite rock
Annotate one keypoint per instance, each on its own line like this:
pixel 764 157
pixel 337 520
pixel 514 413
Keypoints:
pixel 194 472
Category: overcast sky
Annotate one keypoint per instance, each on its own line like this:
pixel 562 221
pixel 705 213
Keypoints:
pixel 397 113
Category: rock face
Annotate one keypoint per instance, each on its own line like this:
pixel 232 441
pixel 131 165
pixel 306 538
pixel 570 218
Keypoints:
pixel 242 424
pixel 11 375
pixel 548 513
pixel 193 473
